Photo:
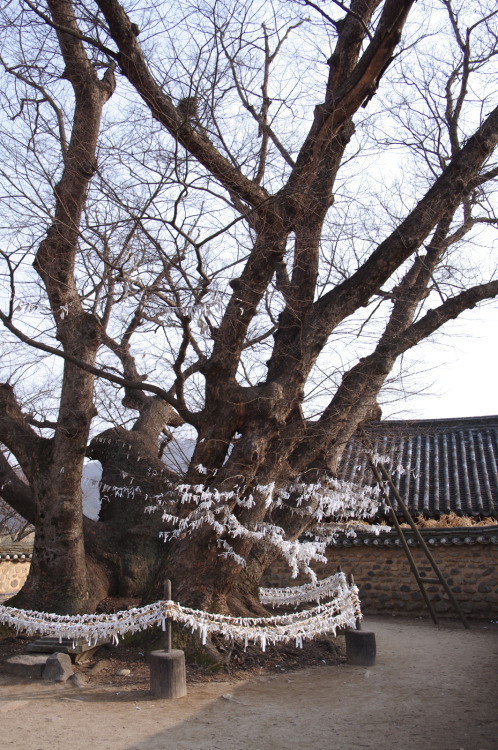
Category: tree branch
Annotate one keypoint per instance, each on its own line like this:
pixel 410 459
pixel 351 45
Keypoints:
pixel 337 24
pixel 98 372
pixel 16 434
pixel 450 309
pixel 134 67
pixel 72 32
pixel 356 397
pixel 15 492
pixel 441 199
pixel 354 87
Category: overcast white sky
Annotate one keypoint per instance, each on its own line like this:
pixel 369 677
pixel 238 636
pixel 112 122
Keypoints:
pixel 462 371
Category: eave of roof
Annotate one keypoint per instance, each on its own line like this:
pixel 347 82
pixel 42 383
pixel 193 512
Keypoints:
pixel 435 537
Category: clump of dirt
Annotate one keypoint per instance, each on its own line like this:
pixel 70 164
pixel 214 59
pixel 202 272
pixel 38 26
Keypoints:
pixel 12 644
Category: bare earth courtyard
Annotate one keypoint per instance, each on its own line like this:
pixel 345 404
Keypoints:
pixel 429 689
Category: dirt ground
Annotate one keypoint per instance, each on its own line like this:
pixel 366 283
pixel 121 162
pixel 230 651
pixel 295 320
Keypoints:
pixel 430 689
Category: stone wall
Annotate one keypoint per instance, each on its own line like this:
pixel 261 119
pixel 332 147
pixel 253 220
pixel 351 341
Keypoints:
pixel 468 561
pixel 13 573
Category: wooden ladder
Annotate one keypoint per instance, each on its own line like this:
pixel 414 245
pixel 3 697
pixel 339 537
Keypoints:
pixel 381 477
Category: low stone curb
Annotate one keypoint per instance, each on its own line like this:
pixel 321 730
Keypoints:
pixel 51 667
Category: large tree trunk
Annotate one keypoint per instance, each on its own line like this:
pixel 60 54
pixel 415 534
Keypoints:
pixel 58 578
pixel 133 478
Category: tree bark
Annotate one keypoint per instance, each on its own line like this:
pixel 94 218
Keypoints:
pixel 58 579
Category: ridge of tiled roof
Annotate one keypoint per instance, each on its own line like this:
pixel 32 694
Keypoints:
pixel 448 465
pixel 16 556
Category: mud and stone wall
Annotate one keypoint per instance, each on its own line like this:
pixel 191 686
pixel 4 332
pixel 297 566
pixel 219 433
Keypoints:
pixel 13 574
pixel 387 585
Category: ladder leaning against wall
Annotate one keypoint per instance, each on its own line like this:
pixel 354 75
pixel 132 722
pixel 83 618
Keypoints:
pixel 382 476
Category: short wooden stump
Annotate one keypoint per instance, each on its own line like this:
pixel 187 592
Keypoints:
pixel 361 649
pixel 168 678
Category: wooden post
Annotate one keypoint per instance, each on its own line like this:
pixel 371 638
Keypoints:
pixel 361 648
pixel 351 583
pixel 168 678
pixel 167 635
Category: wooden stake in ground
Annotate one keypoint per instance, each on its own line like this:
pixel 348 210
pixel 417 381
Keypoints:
pixel 168 678
pixel 361 648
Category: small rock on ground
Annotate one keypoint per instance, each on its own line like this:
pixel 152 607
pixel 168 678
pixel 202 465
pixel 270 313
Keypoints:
pixel 100 666
pixel 58 668
pixel 77 680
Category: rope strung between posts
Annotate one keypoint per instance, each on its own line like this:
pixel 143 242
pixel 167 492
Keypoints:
pixel 342 611
pixel 327 588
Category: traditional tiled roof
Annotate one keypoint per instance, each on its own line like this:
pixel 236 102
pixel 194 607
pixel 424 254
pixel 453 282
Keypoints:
pixel 447 464
pixel 16 551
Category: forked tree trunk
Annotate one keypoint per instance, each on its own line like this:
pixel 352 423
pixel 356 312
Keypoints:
pixel 58 579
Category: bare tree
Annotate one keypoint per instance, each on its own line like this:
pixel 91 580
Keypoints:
pixel 208 250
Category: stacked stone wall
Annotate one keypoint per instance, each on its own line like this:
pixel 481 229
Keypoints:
pixel 388 586
pixel 13 574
